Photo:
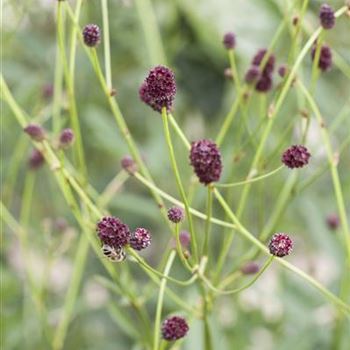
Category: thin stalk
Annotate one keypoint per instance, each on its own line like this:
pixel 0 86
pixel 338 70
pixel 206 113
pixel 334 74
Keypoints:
pixel 72 293
pixel 254 179
pixel 106 44
pixel 168 265
pixel 207 222
pixel 232 59
pixel 179 182
pixel 179 248
pixel 240 289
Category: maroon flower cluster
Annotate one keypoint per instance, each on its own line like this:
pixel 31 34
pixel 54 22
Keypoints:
pixel 327 17
pixel 325 60
pixel 263 78
pixel 333 221
pixel 36 160
pixel 113 232
pixel 250 268
pixel 140 239
pixel 175 214
pixel 66 138
pixel 296 156
pixel 205 159
pixel 35 131
pixel 280 245
pixel 159 88
pixel 128 164
pixel 174 328
pixel 92 35
pixel 282 70
pixel 229 41
pixel 252 75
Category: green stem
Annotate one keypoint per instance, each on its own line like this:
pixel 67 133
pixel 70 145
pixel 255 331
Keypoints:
pixel 254 179
pixel 160 300
pixel 179 182
pixel 72 293
pixel 207 222
pixel 106 43
pixel 180 249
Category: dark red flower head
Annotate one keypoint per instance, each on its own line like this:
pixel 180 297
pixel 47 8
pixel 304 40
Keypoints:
pixel 159 88
pixel 66 137
pixel 333 221
pixel 325 61
pixel 35 131
pixel 176 214
pixel 92 35
pixel 140 239
pixel 252 75
pixel 36 159
pixel 264 84
pixel 229 40
pixel 128 164
pixel 113 232
pixel 174 328
pixel 296 156
pixel 269 65
pixel 280 245
pixel 327 17
pixel 205 159
pixel 282 70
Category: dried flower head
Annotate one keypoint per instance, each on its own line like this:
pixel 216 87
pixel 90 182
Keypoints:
pixel 66 138
pixel 252 75
pixel 229 40
pixel 280 245
pixel 185 239
pixel 325 60
pixel 269 65
pixel 296 156
pixel 140 239
pixel 128 164
pixel 35 131
pixel 159 88
pixel 333 221
pixel 327 17
pixel 174 328
pixel 92 35
pixel 113 232
pixel 205 159
pixel 250 268
pixel 36 159
pixel 176 214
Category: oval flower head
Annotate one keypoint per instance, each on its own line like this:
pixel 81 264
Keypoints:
pixel 280 245
pixel 174 328
pixel 205 159
pixel 159 88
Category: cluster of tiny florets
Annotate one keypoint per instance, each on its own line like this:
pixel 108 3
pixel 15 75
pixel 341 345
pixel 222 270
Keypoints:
pixel 174 328
pixel 296 156
pixel 128 164
pixel 261 77
pixel 205 159
pixel 327 17
pixel 140 239
pixel 92 35
pixel 35 131
pixel 159 88
pixel 250 268
pixel 282 70
pixel 176 214
pixel 333 221
pixel 66 138
pixel 36 159
pixel 229 41
pixel 280 245
pixel 113 232
pixel 325 61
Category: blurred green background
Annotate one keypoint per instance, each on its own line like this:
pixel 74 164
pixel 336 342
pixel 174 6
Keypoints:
pixel 278 312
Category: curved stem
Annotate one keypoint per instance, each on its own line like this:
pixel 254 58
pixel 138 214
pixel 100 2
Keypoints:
pixel 179 182
pixel 254 179
pixel 238 290
pixel 160 300
pixel 106 43
pixel 207 222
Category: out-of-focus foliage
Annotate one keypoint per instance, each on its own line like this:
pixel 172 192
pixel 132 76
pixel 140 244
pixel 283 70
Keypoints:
pixel 279 312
